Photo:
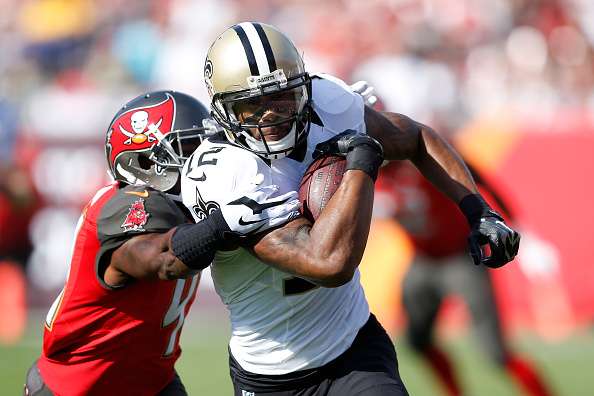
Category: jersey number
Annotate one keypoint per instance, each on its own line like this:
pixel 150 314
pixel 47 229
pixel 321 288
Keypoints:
pixel 202 160
pixel 176 313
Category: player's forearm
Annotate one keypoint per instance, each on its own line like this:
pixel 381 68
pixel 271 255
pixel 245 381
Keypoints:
pixel 171 267
pixel 442 166
pixel 328 252
pixel 339 235
pixel 149 257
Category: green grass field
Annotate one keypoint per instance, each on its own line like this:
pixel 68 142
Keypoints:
pixel 569 366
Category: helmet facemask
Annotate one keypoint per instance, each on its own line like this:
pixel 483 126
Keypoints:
pixel 138 168
pixel 270 117
pixel 160 165
pixel 175 147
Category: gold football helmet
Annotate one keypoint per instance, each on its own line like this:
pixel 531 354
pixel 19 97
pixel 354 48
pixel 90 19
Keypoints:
pixel 254 70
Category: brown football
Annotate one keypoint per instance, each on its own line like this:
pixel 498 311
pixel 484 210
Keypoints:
pixel 320 182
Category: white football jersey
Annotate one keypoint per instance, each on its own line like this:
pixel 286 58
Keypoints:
pixel 279 323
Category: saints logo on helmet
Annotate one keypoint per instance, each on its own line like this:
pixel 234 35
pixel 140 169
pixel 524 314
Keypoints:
pixel 261 93
pixel 150 138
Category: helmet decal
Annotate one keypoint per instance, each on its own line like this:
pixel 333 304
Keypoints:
pixel 207 77
pixel 139 126
pixel 257 48
pixel 139 123
pixel 208 69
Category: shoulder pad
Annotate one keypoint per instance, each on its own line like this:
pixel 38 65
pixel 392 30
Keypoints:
pixel 217 172
pixel 138 209
pixel 337 106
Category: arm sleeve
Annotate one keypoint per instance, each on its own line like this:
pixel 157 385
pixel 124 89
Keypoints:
pixel 195 245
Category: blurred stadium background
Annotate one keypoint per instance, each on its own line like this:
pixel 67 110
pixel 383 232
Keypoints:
pixel 509 82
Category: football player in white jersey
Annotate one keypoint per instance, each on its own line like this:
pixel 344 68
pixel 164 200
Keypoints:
pixel 114 329
pixel 289 335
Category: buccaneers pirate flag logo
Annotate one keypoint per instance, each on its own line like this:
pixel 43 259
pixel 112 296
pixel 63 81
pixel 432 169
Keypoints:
pixel 138 129
pixel 136 218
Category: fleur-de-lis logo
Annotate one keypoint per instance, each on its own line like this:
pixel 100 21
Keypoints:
pixel 203 209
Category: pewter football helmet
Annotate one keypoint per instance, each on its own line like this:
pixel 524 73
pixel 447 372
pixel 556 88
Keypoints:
pixel 150 138
pixel 256 65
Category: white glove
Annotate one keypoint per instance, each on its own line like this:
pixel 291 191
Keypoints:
pixel 363 89
pixel 257 211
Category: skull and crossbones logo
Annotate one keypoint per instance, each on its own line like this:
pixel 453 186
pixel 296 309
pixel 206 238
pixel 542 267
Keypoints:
pixel 138 122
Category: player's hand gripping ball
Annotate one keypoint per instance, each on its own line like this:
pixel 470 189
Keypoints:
pixel 320 182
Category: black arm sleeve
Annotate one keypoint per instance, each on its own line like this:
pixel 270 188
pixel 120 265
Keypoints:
pixel 195 245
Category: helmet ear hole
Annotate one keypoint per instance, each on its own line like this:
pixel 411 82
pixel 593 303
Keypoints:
pixel 144 162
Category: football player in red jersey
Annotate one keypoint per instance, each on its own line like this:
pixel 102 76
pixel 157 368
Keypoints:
pixel 441 267
pixel 115 327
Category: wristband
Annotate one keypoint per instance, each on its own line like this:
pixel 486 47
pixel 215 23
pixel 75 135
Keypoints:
pixel 195 245
pixel 474 207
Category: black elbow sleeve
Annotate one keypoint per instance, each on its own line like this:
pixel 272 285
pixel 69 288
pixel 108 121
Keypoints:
pixel 195 245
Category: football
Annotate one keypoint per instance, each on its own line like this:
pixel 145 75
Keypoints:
pixel 320 182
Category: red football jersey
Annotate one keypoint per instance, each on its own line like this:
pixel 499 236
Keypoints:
pixel 434 224
pixel 101 340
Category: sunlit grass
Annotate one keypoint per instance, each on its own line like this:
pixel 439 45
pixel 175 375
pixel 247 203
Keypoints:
pixel 567 365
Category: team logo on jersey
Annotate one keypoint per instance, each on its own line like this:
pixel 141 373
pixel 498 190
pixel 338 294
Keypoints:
pixel 139 127
pixel 136 218
pixel 203 209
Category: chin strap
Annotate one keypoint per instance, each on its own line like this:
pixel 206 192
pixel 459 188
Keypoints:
pixel 275 149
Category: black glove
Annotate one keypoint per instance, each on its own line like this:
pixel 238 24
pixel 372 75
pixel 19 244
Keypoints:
pixel 362 152
pixel 488 228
